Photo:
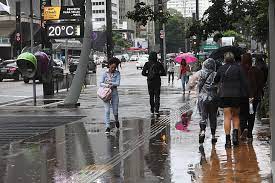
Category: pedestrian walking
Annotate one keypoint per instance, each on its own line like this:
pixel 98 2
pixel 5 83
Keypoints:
pixel 153 70
pixel 111 79
pixel 184 74
pixel 249 104
pixel 207 97
pixel 232 87
pixel 171 70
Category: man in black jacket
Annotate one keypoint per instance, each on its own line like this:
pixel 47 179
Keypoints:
pixel 153 70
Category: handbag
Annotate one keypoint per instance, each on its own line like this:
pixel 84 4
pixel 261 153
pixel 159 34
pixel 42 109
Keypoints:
pixel 104 93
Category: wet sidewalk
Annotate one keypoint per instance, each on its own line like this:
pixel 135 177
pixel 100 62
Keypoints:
pixel 146 148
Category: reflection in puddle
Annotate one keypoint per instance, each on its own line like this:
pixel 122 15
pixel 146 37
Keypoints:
pixel 185 121
pixel 230 165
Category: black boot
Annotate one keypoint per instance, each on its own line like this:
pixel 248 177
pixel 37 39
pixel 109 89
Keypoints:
pixel 214 139
pixel 202 133
pixel 235 139
pixel 201 136
pixel 116 121
pixel 228 141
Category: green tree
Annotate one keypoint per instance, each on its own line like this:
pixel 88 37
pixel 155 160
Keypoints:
pixel 175 30
pixel 216 18
pixel 259 14
pixel 144 13
pixel 232 33
pixel 119 41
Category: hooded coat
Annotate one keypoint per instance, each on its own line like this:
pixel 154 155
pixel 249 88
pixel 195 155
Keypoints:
pixel 204 80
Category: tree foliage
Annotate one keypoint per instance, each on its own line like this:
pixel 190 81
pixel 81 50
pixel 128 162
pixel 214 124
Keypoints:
pixel 175 31
pixel 144 13
pixel 245 17
pixel 119 41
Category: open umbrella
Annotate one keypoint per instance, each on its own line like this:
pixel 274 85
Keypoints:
pixel 219 53
pixel 187 56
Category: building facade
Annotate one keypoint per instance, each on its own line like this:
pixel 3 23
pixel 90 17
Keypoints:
pixel 188 7
pixel 99 14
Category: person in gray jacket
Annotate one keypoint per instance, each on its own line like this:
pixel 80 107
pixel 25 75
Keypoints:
pixel 207 97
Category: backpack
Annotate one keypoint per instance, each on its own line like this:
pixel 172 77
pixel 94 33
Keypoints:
pixel 153 72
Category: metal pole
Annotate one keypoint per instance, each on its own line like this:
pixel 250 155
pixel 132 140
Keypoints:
pixel 66 55
pixel 160 6
pixel 197 10
pixel 164 48
pixel 31 28
pixel 271 81
pixel 109 29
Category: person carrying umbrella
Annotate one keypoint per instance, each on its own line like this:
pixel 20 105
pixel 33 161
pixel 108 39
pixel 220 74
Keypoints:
pixel 184 74
pixel 207 97
pixel 233 86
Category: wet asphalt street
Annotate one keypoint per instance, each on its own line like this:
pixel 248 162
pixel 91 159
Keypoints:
pixel 146 148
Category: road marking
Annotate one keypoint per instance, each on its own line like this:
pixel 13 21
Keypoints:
pixel 14 96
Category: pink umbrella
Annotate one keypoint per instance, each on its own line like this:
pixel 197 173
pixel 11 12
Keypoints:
pixel 187 56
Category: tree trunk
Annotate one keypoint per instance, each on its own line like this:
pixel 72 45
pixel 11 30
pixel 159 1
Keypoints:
pixel 74 93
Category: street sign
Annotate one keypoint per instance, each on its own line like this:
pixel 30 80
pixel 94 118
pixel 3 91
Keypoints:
pixel 210 46
pixel 43 3
pixel 63 12
pixel 65 30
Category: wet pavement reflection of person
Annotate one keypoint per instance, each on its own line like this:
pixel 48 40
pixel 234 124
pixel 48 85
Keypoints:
pixel 114 149
pixel 157 157
pixel 234 166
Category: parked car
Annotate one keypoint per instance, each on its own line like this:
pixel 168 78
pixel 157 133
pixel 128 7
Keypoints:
pixel 141 62
pixel 134 58
pixel 104 62
pixel 58 62
pixel 9 70
pixel 91 66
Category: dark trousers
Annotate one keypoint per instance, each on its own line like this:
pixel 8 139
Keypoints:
pixel 154 92
pixel 247 120
pixel 169 76
pixel 208 112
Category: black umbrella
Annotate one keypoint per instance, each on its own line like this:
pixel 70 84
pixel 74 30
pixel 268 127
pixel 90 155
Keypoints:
pixel 219 53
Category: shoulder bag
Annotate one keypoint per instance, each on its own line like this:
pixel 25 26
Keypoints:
pixel 105 93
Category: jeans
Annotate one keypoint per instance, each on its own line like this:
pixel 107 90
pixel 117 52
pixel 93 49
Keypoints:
pixel 184 81
pixel 169 76
pixel 247 120
pixel 154 92
pixel 107 105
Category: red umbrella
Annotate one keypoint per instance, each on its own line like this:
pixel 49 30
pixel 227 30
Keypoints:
pixel 187 56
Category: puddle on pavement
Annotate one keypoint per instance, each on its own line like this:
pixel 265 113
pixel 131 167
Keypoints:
pixel 143 150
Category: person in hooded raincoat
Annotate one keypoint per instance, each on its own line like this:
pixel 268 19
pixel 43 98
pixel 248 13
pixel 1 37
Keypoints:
pixel 207 97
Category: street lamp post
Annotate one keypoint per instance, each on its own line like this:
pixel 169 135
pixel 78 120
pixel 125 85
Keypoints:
pixel 31 30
